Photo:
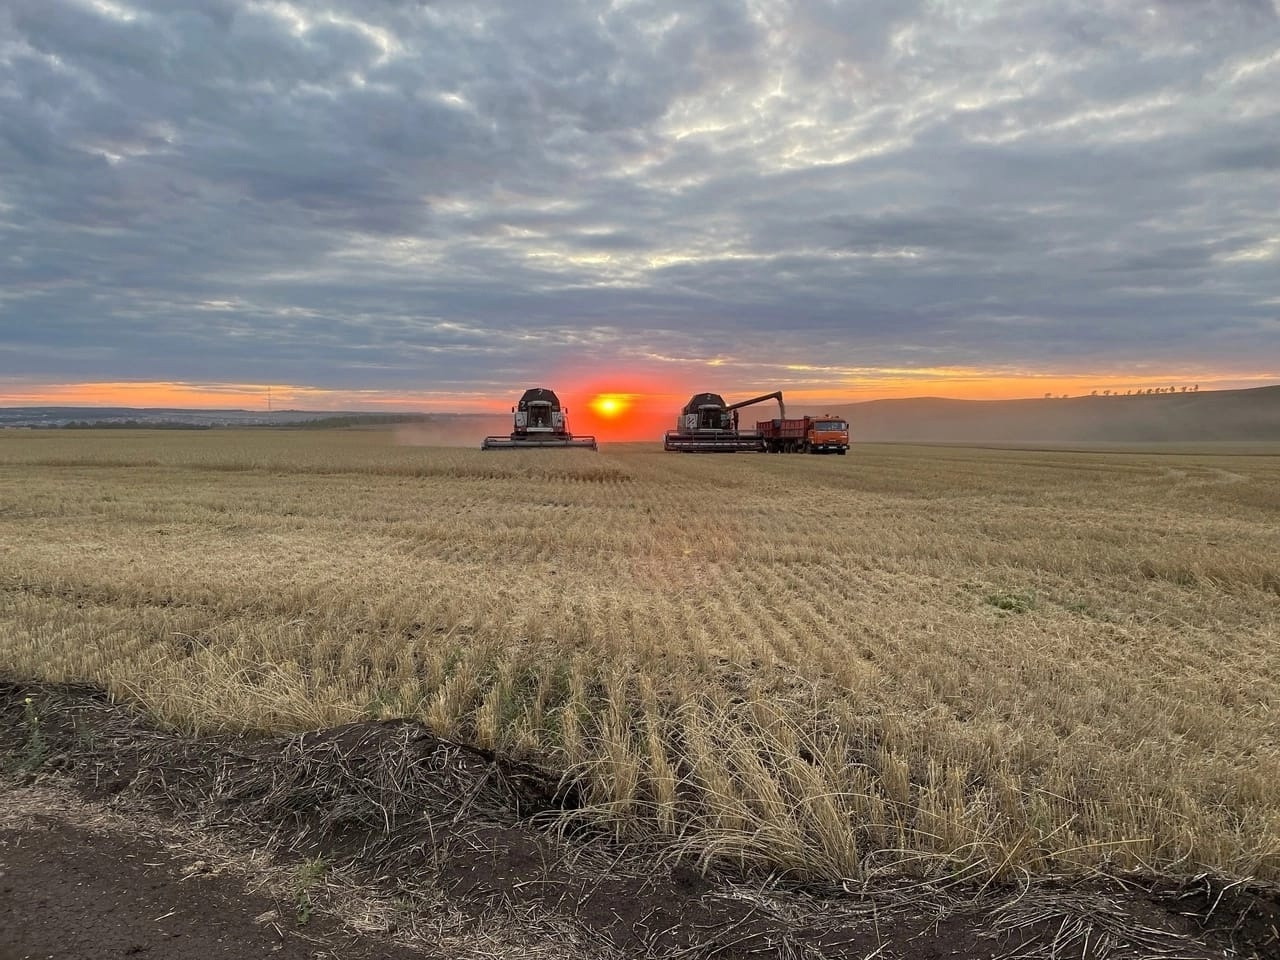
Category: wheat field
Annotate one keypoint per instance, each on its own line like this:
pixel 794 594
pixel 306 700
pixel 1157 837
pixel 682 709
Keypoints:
pixel 938 662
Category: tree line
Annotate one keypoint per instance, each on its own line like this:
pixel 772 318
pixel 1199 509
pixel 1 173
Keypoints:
pixel 1139 392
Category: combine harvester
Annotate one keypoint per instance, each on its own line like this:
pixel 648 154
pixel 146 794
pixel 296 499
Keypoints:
pixel 539 424
pixel 708 425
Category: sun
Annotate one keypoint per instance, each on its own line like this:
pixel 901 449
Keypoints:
pixel 609 404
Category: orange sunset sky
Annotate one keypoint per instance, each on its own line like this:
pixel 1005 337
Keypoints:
pixel 623 407
pixel 958 384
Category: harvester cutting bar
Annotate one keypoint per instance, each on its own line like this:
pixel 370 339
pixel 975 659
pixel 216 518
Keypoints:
pixel 535 443
pixel 711 442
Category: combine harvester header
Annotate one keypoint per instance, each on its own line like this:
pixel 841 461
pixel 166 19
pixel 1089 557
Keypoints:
pixel 540 423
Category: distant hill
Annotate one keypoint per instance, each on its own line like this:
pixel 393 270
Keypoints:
pixel 1207 415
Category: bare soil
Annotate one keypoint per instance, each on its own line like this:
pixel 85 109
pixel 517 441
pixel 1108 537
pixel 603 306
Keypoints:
pixel 77 892
pixel 381 840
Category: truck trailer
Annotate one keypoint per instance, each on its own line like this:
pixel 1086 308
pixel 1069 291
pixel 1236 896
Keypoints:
pixel 807 435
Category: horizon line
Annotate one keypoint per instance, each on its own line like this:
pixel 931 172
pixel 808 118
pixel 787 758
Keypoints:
pixel 414 407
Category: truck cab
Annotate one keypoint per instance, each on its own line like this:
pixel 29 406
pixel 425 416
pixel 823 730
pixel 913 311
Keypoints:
pixel 827 435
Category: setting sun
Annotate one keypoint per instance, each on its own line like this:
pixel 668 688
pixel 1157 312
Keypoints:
pixel 609 405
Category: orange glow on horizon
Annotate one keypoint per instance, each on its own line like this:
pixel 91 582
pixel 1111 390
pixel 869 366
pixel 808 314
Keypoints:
pixel 636 405
pixel 241 396
pixel 628 407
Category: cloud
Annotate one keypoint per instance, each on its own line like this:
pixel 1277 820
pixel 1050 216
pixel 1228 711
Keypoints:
pixel 395 194
pixel 1263 156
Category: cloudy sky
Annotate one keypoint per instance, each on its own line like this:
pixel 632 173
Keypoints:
pixel 436 203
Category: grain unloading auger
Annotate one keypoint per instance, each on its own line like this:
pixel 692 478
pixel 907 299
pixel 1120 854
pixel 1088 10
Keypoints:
pixel 708 425
pixel 540 424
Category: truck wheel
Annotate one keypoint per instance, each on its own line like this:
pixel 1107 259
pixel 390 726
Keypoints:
pixel 842 451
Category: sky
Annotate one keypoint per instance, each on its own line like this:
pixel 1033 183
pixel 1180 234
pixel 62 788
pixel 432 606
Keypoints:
pixel 407 204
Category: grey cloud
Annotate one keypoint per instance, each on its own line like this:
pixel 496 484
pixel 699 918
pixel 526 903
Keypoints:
pixel 1250 10
pixel 1170 258
pixel 1259 157
pixel 421 193
pixel 613 240
pixel 951 230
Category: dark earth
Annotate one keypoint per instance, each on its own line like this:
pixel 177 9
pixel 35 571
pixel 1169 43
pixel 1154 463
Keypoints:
pixel 378 840
pixel 77 894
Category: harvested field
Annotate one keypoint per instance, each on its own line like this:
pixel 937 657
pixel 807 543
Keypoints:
pixel 937 663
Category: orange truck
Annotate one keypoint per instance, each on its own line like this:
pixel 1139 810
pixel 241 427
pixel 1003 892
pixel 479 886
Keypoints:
pixel 807 435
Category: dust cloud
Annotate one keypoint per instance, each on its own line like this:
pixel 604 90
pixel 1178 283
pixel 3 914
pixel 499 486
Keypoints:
pixel 1222 415
pixel 461 431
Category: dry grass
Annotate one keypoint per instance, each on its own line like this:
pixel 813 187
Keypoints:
pixel 909 660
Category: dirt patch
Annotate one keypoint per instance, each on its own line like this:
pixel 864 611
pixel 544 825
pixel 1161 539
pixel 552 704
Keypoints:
pixel 83 893
pixel 1228 912
pixel 383 834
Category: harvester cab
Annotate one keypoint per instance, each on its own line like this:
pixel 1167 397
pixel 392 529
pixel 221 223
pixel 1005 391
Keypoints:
pixel 540 422
pixel 539 412
pixel 709 425
pixel 706 411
